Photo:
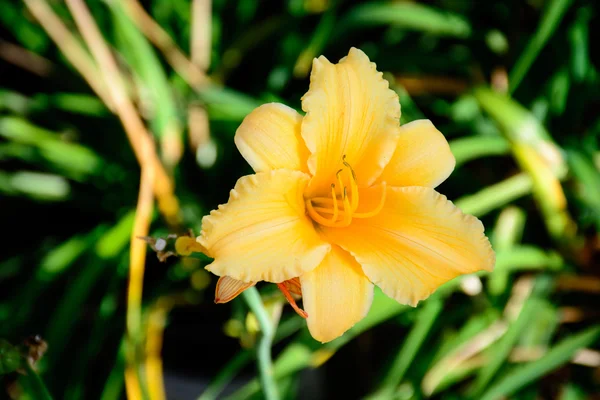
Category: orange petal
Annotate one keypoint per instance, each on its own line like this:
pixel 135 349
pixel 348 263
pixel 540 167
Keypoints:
pixel 350 111
pixel 336 295
pixel 422 157
pixel 419 241
pixel 269 138
pixel 263 233
pixel 229 288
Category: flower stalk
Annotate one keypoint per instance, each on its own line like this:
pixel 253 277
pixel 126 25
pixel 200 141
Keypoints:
pixel 265 362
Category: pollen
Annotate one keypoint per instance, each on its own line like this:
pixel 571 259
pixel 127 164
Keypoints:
pixel 338 210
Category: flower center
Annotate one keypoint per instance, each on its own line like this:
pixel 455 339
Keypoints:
pixel 338 210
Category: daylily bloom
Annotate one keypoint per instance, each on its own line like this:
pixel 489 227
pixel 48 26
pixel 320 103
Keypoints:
pixel 342 199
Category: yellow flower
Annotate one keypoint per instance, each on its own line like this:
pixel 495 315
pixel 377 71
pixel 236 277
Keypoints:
pixel 342 199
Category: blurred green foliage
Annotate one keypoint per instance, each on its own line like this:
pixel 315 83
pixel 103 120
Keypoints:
pixel 513 85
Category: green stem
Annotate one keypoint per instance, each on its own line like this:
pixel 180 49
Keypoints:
pixel 33 386
pixel 265 363
pixel 241 359
pixel 302 354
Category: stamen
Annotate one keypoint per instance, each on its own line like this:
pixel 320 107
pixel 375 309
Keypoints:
pixel 328 210
pixel 335 204
pixel 317 217
pixel 347 211
pixel 353 185
pixel 339 178
pixel 378 209
pixel 325 200
pixel 291 300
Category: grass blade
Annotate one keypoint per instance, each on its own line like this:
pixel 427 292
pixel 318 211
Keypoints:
pixel 425 320
pixel 557 356
pixel 410 16
pixel 503 347
pixel 555 11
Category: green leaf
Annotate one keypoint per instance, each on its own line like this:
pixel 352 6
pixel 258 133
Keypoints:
pixel 579 38
pixel 501 350
pixel 10 358
pixel 558 355
pixel 152 79
pixel 410 16
pixel 471 148
pixel 588 182
pixel 33 386
pixel 425 320
pixel 553 15
pixel 226 104
pixel 497 195
pixel 72 158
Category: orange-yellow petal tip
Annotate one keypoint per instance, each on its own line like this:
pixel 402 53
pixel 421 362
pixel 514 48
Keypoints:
pixel 422 157
pixel 418 242
pixel 336 295
pixel 269 138
pixel 351 113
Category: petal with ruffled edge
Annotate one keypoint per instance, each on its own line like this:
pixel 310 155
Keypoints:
pixel 419 241
pixel 422 157
pixel 350 111
pixel 335 295
pixel 269 138
pixel 262 233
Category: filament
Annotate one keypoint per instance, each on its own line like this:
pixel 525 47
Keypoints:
pixel 335 204
pixel 379 207
pixel 291 300
pixel 353 185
